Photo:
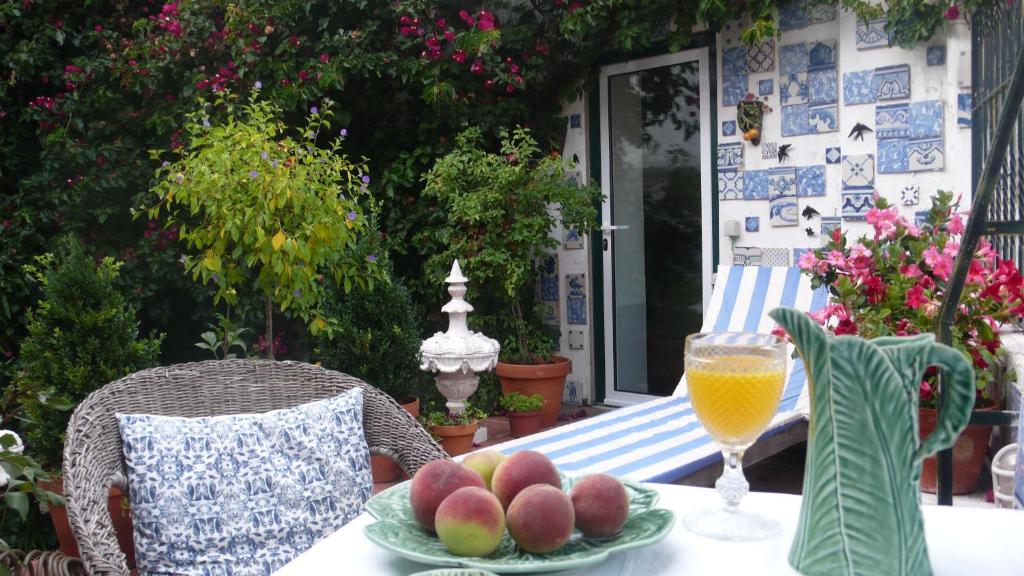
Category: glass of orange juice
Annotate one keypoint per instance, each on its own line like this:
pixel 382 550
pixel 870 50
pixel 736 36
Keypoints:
pixel 735 381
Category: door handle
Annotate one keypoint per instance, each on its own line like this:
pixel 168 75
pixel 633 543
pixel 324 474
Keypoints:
pixel 610 228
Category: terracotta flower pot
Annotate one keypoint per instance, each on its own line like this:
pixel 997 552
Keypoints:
pixel 548 380
pixel 385 469
pixel 456 440
pixel 523 423
pixel 120 514
pixel 968 454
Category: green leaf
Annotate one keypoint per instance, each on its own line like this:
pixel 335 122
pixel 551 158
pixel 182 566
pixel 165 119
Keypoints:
pixel 17 501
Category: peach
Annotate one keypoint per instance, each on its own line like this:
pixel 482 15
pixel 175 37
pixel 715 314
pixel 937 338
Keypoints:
pixel 433 483
pixel 540 519
pixel 484 463
pixel 520 470
pixel 601 505
pixel 470 522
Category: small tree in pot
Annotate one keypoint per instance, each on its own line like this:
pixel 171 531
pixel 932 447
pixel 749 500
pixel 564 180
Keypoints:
pixel 501 208
pixel 523 413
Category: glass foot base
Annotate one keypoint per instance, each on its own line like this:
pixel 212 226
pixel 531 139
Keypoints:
pixel 735 525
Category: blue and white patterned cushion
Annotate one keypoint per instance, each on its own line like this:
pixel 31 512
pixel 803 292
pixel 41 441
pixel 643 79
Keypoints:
pixel 244 494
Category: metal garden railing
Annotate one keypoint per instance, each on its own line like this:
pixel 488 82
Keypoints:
pixel 998 204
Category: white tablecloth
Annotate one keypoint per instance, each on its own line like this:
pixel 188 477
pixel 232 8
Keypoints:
pixel 970 541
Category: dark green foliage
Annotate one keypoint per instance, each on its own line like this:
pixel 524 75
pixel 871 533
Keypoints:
pixel 81 335
pixel 377 339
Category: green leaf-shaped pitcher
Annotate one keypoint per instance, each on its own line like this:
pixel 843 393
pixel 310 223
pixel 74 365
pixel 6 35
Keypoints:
pixel 861 492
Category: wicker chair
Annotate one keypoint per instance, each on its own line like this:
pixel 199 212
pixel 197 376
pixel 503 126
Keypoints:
pixel 93 457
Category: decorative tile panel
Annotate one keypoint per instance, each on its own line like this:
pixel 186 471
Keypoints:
pixel 746 256
pixel 730 184
pixel 859 172
pixel 833 155
pixel 794 120
pixel 793 58
pixel 729 128
pixel 892 156
pixel 822 86
pixel 810 181
pixel 910 195
pixel 575 286
pixel 926 154
pixel 761 56
pixel 820 13
pixel 872 34
pixel 752 224
pixel 781 183
pixel 576 310
pixel 830 224
pixel 920 217
pixel 576 298
pixel 892 121
pixel 891 82
pixel 821 54
pixel 935 55
pixel 774 257
pixel 769 150
pixel 755 185
pixel 793 89
pixel 823 117
pixel 963 109
pixel 765 87
pixel 550 313
pixel 857 87
pixel 792 15
pixel 730 156
pixel 572 240
pixel 926 119
pixel 734 88
pixel 549 288
pixel 856 204
pixel 783 212
pixel 734 61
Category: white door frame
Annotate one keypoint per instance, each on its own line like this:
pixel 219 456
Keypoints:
pixel 701 56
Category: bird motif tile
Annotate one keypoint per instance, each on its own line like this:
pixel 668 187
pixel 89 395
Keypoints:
pixel 833 155
pixel 935 55
pixel 793 58
pixel 730 156
pixel 730 184
pixel 810 181
pixel 855 205
pixel 926 154
pixel 823 117
pixel 872 34
pixel 761 56
pixel 891 82
pixel 859 172
pixel 752 224
pixel 755 185
pixel 857 88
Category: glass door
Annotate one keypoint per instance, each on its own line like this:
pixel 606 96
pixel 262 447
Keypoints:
pixel 656 220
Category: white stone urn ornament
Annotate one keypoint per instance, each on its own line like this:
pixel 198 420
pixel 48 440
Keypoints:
pixel 457 355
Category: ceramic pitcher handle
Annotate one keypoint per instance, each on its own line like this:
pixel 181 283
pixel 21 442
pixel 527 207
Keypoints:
pixel 958 399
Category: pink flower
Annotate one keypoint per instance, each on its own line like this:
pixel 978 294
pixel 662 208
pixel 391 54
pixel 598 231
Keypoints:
pixel 940 263
pixel 477 67
pixel 459 56
pixel 926 391
pixel 486 21
pixel 860 251
pixel 808 260
pixel 911 271
pixel 952 13
pixel 915 296
pixel 951 249
pixel 325 58
pixel 836 259
pixel 956 225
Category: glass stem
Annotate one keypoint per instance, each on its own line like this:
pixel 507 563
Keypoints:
pixel 732 485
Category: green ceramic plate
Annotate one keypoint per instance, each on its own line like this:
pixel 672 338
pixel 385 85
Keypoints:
pixel 397 530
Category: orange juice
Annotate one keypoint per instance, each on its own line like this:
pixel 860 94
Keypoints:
pixel 735 396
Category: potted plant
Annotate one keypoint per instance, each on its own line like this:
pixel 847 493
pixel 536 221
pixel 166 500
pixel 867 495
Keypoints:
pixel 454 432
pixel 499 209
pixel 523 413
pixel 893 284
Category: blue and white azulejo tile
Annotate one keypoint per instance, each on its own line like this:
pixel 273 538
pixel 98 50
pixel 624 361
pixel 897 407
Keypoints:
pixel 872 34
pixel 549 288
pixel 856 204
pixel 793 58
pixel 730 184
pixel 833 155
pixel 793 89
pixel 821 54
pixel 734 88
pixel 729 128
pixel 765 87
pixel 781 183
pixel 752 224
pixel 823 117
pixel 794 120
pixel 734 61
pixel 891 82
pixel 822 86
pixel 963 109
pixel 892 156
pixel 910 195
pixel 244 493
pixel 755 185
pixel 810 181
pixel 782 211
pixel 859 172
pixel 935 55
pixel 576 310
pixel 792 15
pixel 830 224
pixel 857 88
pixel 730 155
pixel 926 154
pixel 761 56
pixel 926 119
pixel 892 121
pixel 746 256
pixel 819 13
pixel 775 257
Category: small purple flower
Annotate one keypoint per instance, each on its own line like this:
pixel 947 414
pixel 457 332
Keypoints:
pixel 206 122
pixel 179 178
pixel 264 155
pixel 275 163
pixel 314 110
pixel 253 174
pixel 297 293
pixel 371 258
pixel 366 179
pixel 165 164
pixel 215 277
pixel 258 85
pixel 352 215
pixel 344 132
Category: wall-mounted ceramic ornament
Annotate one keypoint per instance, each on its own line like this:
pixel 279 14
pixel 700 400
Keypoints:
pixel 858 131
pixel 783 153
pixel 750 118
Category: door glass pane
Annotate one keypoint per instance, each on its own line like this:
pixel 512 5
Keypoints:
pixel 655 192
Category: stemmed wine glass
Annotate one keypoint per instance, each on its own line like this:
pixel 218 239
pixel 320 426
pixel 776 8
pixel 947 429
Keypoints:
pixel 735 381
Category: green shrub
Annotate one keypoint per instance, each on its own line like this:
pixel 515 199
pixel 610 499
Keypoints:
pixel 377 339
pixel 516 402
pixel 82 334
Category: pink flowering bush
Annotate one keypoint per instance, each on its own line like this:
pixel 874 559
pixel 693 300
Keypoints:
pixel 893 283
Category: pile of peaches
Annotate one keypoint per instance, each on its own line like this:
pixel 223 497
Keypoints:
pixel 470 505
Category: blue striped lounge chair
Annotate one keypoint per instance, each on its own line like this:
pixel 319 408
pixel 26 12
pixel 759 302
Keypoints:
pixel 661 440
